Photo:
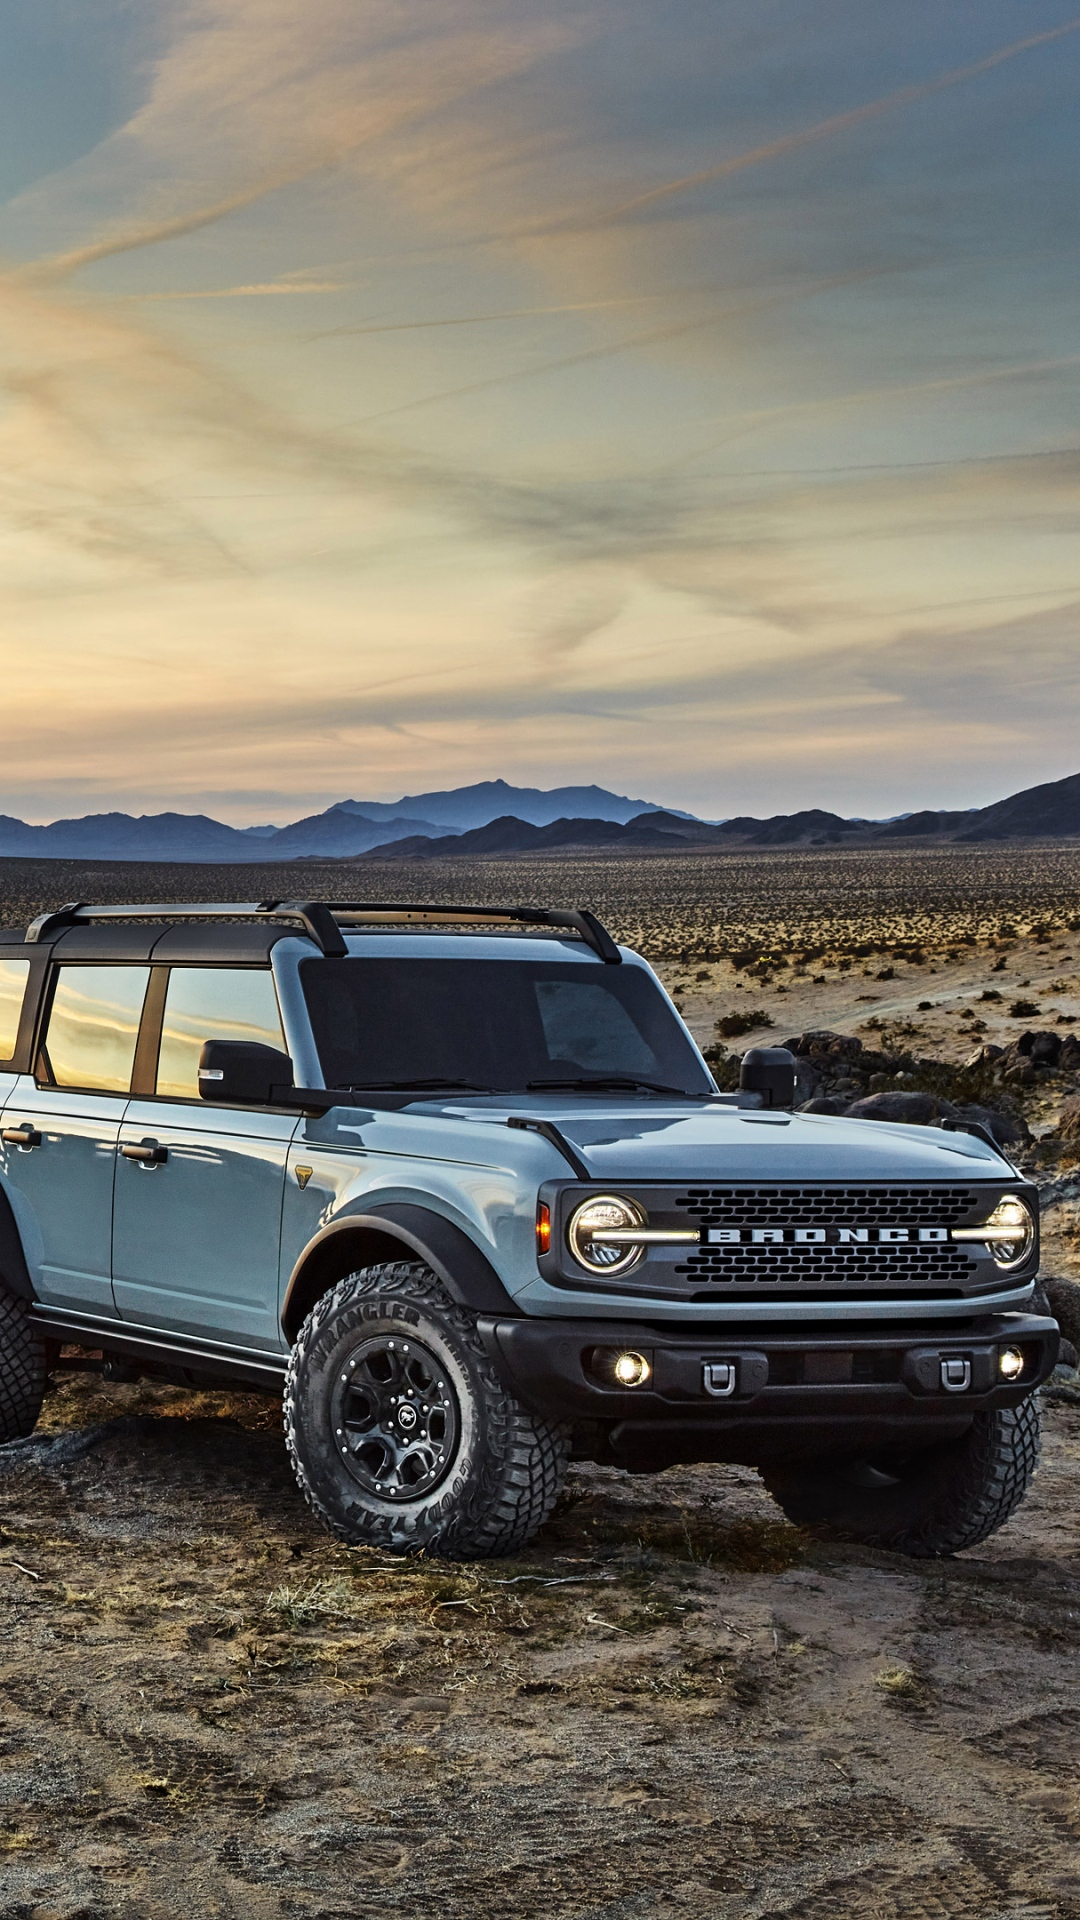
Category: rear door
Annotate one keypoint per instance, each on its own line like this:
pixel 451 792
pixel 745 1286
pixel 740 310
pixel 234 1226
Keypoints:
pixel 60 1128
pixel 197 1212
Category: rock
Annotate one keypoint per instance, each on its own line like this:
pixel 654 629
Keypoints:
pixel 1064 1301
pixel 1008 1129
pixel 822 1105
pixel 1069 1057
pixel 1039 1050
pixel 1068 1126
pixel 836 1045
pixel 1045 1049
pixel 807 1079
pixel 913 1109
pixel 986 1056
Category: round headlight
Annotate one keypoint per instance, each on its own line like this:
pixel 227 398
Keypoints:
pixel 606 1213
pixel 1014 1215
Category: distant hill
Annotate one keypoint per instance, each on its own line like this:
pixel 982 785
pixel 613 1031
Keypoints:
pixel 462 808
pixel 510 835
pixel 344 831
pixel 494 817
pixel 1053 810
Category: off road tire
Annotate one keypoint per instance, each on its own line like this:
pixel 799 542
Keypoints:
pixel 22 1369
pixel 401 1433
pixel 933 1501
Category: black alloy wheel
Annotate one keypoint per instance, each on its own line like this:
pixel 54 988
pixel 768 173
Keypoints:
pixel 395 1418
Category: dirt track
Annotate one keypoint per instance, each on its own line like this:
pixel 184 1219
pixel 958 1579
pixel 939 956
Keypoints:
pixel 210 1709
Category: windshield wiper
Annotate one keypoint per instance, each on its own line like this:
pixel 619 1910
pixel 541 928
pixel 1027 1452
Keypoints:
pixel 606 1081
pixel 409 1086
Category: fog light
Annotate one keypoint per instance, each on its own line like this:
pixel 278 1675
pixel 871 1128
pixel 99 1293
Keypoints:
pixel 1010 1363
pixel 632 1369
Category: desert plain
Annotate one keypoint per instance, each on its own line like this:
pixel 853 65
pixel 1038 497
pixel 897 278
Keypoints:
pixel 673 1702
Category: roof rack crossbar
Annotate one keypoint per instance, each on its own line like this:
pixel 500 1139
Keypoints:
pixel 577 920
pixel 323 919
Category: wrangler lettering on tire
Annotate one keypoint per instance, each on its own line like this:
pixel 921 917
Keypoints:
pixel 400 1432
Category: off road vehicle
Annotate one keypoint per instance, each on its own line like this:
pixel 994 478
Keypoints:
pixel 458 1183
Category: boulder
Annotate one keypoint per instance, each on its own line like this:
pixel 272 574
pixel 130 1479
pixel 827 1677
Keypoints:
pixel 1069 1057
pixel 808 1080
pixel 836 1046
pixel 1068 1126
pixel 1008 1129
pixel 1063 1297
pixel 822 1105
pixel 1045 1049
pixel 985 1056
pixel 1039 1050
pixel 914 1109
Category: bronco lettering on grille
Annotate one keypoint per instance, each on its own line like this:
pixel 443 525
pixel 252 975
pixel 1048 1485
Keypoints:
pixel 823 1236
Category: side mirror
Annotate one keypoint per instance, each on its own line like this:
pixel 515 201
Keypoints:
pixel 242 1073
pixel 769 1071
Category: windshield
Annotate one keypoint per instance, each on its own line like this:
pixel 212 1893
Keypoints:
pixel 495 1025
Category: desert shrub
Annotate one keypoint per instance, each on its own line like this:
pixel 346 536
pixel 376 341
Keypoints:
pixel 1023 1010
pixel 730 1025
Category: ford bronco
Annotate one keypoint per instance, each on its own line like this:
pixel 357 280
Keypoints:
pixel 458 1183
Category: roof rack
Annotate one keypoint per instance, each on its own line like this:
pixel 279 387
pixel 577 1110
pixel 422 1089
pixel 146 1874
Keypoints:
pixel 323 920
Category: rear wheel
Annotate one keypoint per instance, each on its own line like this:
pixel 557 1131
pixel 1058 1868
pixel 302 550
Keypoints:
pixel 22 1369
pixel 402 1435
pixel 927 1502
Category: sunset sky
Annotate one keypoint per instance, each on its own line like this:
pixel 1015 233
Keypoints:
pixel 682 397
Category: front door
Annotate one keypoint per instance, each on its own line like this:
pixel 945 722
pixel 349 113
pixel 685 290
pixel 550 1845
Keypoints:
pixel 197 1210
pixel 60 1129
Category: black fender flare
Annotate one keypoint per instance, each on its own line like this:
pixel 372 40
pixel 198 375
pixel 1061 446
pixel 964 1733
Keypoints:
pixel 14 1272
pixel 392 1231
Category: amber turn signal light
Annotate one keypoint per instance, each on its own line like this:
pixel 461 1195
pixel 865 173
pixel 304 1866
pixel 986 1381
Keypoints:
pixel 543 1228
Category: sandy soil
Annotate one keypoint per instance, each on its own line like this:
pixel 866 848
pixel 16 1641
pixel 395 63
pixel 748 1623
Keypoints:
pixel 672 1703
pixel 856 1000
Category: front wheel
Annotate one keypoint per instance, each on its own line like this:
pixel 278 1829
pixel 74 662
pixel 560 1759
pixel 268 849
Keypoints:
pixel 926 1502
pixel 401 1434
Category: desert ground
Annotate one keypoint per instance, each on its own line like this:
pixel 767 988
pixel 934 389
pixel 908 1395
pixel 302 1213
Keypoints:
pixel 673 1702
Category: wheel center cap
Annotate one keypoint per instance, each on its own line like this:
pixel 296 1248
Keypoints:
pixel 407 1417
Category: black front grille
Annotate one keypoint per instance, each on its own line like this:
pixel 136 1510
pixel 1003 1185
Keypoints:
pixel 877 1267
pixel 881 1268
pixel 828 1206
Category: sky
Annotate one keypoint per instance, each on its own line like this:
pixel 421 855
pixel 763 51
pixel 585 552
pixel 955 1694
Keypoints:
pixel 681 398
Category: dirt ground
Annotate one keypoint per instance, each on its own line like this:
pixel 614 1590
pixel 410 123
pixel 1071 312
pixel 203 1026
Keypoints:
pixel 673 1703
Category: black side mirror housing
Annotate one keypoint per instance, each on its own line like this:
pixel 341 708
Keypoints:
pixel 769 1071
pixel 242 1073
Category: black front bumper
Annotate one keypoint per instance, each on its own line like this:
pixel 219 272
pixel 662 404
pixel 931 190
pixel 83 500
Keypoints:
pixel 758 1392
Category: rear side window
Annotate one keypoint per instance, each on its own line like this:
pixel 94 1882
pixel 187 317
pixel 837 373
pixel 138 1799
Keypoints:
pixel 212 1003
pixel 93 1027
pixel 13 977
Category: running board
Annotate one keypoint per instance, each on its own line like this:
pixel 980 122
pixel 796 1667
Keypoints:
pixel 240 1365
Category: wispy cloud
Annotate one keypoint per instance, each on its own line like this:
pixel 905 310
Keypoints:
pixel 842 122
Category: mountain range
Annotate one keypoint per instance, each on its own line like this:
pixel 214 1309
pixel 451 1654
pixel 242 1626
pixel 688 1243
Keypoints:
pixel 492 817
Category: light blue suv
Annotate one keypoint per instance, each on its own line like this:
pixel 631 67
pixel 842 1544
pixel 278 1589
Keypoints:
pixel 458 1182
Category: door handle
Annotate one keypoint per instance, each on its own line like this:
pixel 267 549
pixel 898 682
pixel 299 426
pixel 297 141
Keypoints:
pixel 146 1152
pixel 24 1136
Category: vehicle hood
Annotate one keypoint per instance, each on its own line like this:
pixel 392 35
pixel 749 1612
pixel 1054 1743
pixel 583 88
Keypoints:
pixel 627 1141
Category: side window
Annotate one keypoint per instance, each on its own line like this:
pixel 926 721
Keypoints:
pixel 14 975
pixel 212 1003
pixel 93 1027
